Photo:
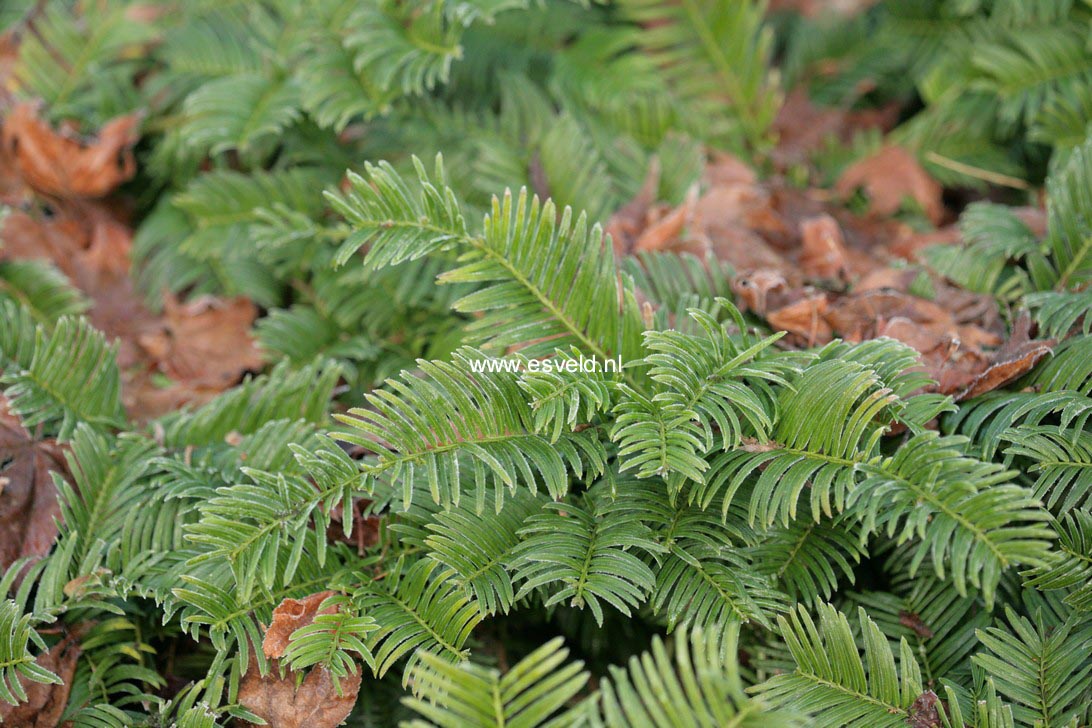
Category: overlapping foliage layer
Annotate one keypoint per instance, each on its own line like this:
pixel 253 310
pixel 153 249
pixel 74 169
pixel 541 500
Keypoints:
pixel 827 537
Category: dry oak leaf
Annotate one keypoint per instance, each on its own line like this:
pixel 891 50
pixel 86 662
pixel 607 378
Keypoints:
pixel 316 703
pixel 45 702
pixel 205 341
pixel 890 176
pixel 28 497
pixel 59 164
pixel 290 615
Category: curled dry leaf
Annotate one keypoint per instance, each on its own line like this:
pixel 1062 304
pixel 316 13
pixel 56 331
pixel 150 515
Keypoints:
pixel 365 528
pixel 727 169
pixel 925 711
pixel 1013 360
pixel 755 290
pixel 627 223
pixel 205 341
pixel 45 702
pixel 28 497
pixel 316 703
pixel 856 317
pixel 914 622
pixel 890 176
pixel 804 128
pixel 669 228
pixel 805 318
pixel 290 615
pixel 824 251
pixel 59 164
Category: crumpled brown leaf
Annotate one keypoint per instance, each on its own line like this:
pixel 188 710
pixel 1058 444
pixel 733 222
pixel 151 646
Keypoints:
pixel 365 527
pixel 658 235
pixel 803 127
pixel 205 341
pixel 888 177
pixel 28 497
pixel 316 703
pixel 59 164
pixel 914 622
pixel 824 252
pixel 290 615
pixel 924 711
pixel 1016 357
pixel 45 702
pixel 805 318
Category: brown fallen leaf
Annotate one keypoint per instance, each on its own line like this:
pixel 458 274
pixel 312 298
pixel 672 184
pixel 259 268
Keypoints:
pixel 45 702
pixel 924 711
pixel 1015 358
pixel 805 318
pixel 726 169
pixel 205 341
pixel 890 176
pixel 365 527
pixel 670 227
pixel 755 290
pixel 290 615
pixel 804 127
pixel 316 703
pixel 58 164
pixel 923 339
pixel 824 248
pixel 914 622
pixel 627 223
pixel 28 497
pixel 856 317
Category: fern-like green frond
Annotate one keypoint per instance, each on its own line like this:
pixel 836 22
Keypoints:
pixel 1069 368
pixel 584 558
pixel 1069 197
pixel 1071 569
pixel 720 381
pixel 562 400
pixel 836 684
pixel 827 427
pixel 808 559
pixel 699 683
pixel 42 289
pixel 417 608
pixel 482 571
pixel 1063 461
pixel 454 419
pixel 713 54
pixel 61 377
pixel 332 640
pixel 966 513
pixel 1058 312
pixel 17 663
pixel 239 112
pixel 529 695
pixel 552 281
pixel 1041 666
